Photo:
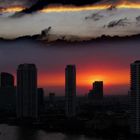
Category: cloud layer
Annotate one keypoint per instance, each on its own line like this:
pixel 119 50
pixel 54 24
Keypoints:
pixel 7 3
pixel 44 2
pixel 41 3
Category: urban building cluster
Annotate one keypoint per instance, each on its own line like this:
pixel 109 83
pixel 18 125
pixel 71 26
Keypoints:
pixel 29 101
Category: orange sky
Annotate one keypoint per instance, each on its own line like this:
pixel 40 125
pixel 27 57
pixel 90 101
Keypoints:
pixel 115 82
pixel 86 78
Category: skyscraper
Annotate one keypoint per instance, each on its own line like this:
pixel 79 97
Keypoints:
pixel 97 90
pixel 27 97
pixel 135 98
pixel 70 90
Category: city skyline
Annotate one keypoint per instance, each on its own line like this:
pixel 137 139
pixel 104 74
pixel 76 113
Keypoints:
pixel 72 112
pixel 69 69
pixel 14 81
pixel 7 80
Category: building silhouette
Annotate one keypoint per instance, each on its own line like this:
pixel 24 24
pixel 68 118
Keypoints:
pixel 40 100
pixel 97 90
pixel 6 80
pixel 27 93
pixel 51 97
pixel 135 98
pixel 70 90
pixel 7 92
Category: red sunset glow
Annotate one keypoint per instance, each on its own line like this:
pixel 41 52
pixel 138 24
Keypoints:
pixel 86 78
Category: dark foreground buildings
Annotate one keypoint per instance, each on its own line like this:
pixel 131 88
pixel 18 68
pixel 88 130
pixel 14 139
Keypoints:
pixel 7 92
pixel 135 98
pixel 52 98
pixel 97 91
pixel 6 80
pixel 70 90
pixel 27 92
pixel 41 105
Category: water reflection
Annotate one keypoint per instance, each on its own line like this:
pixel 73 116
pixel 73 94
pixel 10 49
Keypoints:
pixel 8 132
pixel 24 133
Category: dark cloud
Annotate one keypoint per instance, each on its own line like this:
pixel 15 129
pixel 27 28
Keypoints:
pixel 40 4
pixel 138 19
pixel 36 5
pixel 95 17
pixel 121 22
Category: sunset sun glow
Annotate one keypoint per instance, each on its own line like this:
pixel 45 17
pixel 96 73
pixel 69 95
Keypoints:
pixel 86 78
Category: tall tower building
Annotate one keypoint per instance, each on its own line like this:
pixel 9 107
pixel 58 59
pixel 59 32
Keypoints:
pixel 135 98
pixel 27 93
pixel 70 90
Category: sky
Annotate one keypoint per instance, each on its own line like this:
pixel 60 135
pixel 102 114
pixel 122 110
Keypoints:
pixel 83 22
pixel 107 61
